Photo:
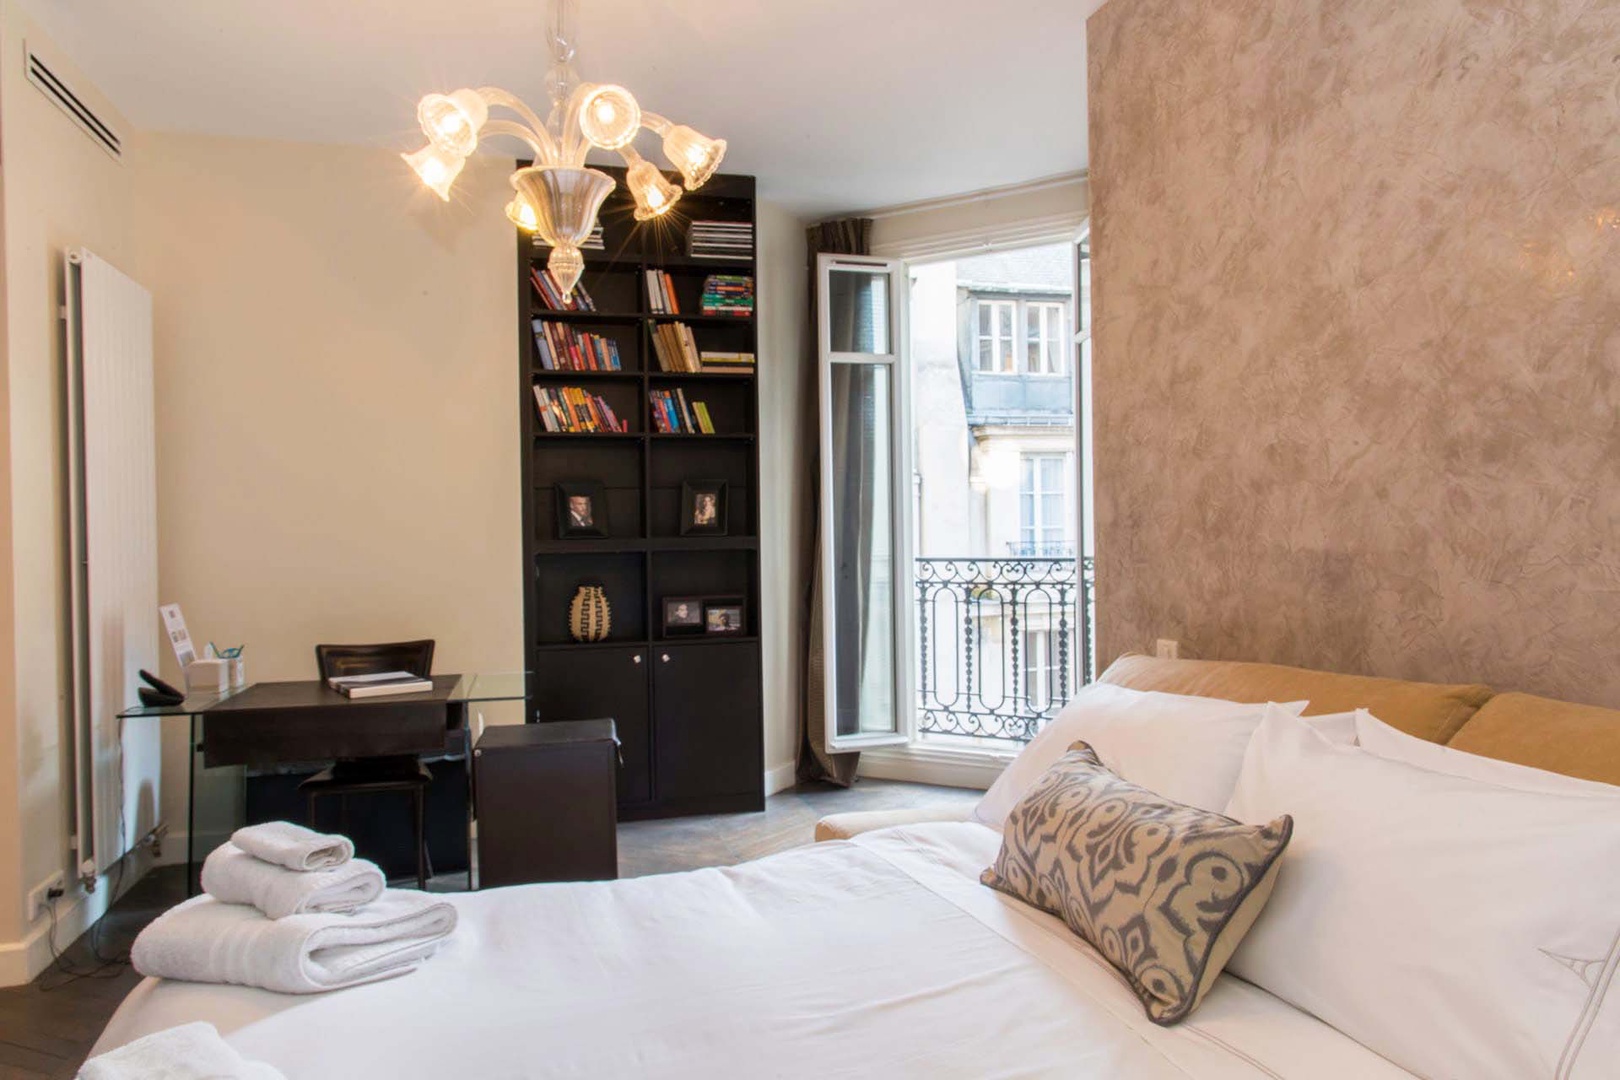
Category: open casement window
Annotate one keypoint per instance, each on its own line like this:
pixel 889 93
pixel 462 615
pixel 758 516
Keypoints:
pixel 865 460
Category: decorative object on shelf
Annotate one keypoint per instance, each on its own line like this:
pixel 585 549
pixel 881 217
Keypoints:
pixel 581 510
pixel 683 615
pixel 724 616
pixel 589 616
pixel 558 197
pixel 703 508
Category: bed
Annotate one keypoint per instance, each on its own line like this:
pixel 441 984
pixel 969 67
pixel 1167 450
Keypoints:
pixel 879 953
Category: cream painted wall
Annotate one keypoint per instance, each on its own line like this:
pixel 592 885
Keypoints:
pixel 59 189
pixel 337 403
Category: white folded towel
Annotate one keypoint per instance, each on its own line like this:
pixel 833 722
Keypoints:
pixel 204 940
pixel 293 846
pixel 232 875
pixel 188 1052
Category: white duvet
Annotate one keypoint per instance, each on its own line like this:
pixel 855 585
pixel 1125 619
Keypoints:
pixel 877 957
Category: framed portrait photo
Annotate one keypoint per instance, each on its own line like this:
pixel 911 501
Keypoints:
pixel 703 508
pixel 581 510
pixel 683 615
pixel 724 615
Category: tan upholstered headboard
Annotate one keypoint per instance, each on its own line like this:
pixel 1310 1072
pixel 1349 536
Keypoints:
pixel 1559 736
pixel 1432 711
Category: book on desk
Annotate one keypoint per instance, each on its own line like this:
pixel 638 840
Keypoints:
pixel 379 684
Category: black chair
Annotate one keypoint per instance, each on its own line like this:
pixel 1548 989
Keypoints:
pixel 370 776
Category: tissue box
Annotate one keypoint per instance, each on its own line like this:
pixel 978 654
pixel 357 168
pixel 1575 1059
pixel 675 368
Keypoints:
pixel 208 676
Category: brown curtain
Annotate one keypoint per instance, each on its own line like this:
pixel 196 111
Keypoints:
pixel 851 236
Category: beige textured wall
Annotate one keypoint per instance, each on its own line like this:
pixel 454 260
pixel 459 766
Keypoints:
pixel 1357 290
pixel 59 189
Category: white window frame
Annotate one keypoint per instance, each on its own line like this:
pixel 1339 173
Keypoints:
pixel 1029 464
pixel 903 648
pixel 994 338
pixel 1051 337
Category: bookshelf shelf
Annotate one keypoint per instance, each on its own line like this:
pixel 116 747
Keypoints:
pixel 683 751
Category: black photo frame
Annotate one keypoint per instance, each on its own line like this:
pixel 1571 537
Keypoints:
pixel 682 615
pixel 703 508
pixel 725 616
pixel 569 524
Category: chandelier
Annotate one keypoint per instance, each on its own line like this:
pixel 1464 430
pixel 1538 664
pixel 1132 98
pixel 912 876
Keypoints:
pixel 558 196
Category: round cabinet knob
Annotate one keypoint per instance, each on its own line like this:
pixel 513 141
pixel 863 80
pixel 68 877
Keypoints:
pixel 665 658
pixel 636 659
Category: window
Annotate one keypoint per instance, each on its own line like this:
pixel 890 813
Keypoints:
pixel 1042 506
pixel 1040 661
pixel 996 351
pixel 1047 352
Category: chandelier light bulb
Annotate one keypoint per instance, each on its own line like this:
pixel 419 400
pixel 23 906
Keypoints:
pixel 654 194
pixel 437 169
pixel 567 266
pixel 521 214
pixel 696 155
pixel 609 116
pixel 451 121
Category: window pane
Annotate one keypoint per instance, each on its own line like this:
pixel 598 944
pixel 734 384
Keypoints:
pixel 858 311
pixel 987 354
pixel 1004 319
pixel 984 319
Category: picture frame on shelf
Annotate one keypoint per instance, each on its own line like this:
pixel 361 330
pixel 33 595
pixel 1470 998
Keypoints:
pixel 725 616
pixel 683 615
pixel 582 512
pixel 703 508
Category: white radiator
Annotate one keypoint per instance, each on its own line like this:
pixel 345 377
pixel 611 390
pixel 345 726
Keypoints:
pixel 112 471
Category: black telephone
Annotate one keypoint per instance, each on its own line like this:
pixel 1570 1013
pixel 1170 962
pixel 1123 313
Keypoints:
pixel 156 692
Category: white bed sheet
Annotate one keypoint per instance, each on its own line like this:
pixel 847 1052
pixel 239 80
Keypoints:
pixel 881 956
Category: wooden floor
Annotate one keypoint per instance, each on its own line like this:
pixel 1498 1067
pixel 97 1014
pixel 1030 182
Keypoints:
pixel 47 1027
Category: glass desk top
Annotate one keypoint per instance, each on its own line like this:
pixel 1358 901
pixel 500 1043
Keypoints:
pixel 469 688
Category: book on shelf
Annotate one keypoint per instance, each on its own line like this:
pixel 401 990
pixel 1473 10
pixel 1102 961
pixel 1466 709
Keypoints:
pixel 575 411
pixel 558 348
pixel 379 684
pixel 661 293
pixel 675 348
pixel 720 240
pixel 726 362
pixel 673 414
pixel 728 294
pixel 545 283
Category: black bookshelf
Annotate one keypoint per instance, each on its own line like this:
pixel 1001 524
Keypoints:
pixel 689 708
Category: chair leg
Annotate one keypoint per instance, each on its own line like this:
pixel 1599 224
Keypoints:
pixel 309 813
pixel 421 841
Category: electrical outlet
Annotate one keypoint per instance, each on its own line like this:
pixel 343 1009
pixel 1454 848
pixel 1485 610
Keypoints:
pixel 39 896
pixel 1167 649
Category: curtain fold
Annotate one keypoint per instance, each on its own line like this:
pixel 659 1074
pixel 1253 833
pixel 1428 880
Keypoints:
pixel 849 236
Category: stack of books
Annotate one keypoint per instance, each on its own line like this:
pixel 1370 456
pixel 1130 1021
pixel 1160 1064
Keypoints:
pixel 661 293
pixel 380 684
pixel 728 294
pixel 545 283
pixel 673 415
pixel 675 348
pixel 570 409
pixel 727 363
pixel 562 349
pixel 720 240
pixel 594 242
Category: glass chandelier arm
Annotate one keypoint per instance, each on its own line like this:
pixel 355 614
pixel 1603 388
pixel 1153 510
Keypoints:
pixel 544 152
pixel 654 123
pixel 574 144
pixel 494 95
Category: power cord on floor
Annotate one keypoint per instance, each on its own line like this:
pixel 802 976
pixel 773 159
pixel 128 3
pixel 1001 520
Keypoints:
pixel 105 968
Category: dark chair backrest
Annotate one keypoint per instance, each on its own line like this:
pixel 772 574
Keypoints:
pixel 415 657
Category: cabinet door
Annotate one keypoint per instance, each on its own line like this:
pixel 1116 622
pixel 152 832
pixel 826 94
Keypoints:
pixel 706 705
pixel 596 684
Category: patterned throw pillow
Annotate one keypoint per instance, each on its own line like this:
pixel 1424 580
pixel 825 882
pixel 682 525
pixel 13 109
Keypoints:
pixel 1165 892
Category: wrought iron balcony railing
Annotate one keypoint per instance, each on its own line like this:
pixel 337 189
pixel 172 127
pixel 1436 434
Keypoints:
pixel 1003 643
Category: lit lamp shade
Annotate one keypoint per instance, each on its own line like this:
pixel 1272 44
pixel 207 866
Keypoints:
pixel 451 121
pixel 696 156
pixel 564 200
pixel 436 168
pixel 654 194
pixel 609 116
pixel 521 214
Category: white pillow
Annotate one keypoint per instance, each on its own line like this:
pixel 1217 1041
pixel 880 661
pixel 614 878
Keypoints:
pixel 1456 927
pixel 1186 749
pixel 1396 745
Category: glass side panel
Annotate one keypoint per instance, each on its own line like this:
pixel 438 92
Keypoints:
pixel 864 588
pixel 858 311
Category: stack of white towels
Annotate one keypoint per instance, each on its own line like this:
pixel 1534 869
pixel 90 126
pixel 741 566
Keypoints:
pixel 293 911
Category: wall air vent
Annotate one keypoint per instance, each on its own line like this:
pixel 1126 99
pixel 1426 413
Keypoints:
pixel 52 86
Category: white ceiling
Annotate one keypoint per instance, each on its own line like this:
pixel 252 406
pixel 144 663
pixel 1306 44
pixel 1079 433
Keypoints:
pixel 833 104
